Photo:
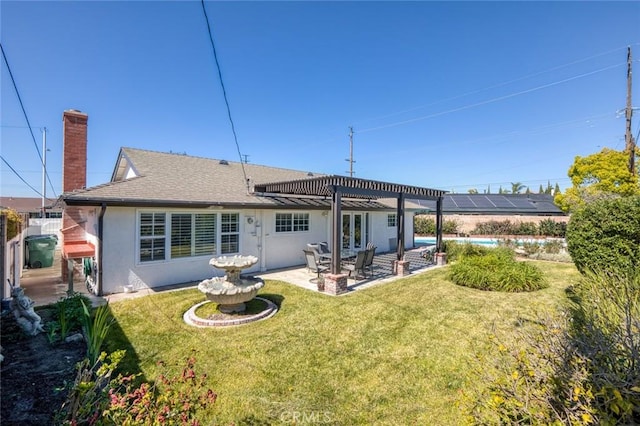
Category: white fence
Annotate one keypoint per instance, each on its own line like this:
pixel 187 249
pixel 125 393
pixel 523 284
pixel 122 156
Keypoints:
pixel 45 227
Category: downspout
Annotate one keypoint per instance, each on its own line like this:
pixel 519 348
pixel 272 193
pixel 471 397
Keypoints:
pixel 103 210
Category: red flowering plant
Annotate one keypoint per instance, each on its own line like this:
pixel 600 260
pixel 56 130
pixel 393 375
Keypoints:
pixel 95 399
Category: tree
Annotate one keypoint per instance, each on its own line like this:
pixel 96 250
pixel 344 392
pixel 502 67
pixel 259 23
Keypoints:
pixel 600 175
pixel 516 187
pixel 604 235
pixel 541 190
pixel 473 191
pixel 556 190
pixel 549 188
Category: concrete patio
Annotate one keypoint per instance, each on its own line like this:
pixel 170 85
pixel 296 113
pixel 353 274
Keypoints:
pixel 382 272
pixel 45 286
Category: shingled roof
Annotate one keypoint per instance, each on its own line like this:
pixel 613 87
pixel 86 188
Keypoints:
pixel 150 178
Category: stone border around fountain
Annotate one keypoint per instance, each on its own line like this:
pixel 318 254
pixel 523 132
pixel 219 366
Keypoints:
pixel 191 318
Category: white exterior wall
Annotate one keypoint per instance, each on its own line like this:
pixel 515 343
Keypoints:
pixel 121 265
pixel 281 250
pixel 382 235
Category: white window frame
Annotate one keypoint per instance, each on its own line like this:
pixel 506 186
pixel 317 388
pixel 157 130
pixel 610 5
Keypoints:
pixel 392 220
pixel 292 222
pixel 225 239
pixel 232 230
pixel 153 237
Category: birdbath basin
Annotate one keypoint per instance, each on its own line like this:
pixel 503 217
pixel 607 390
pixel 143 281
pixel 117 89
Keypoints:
pixel 231 291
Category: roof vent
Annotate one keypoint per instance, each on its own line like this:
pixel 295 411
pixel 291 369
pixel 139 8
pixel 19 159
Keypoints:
pixel 224 162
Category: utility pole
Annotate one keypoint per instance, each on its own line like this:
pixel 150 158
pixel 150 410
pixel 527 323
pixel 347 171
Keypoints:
pixel 44 169
pixel 350 159
pixel 630 145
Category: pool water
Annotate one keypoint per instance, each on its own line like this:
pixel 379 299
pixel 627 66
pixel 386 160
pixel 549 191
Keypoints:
pixel 426 241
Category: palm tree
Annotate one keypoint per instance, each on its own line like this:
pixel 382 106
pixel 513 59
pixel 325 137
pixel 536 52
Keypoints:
pixel 516 187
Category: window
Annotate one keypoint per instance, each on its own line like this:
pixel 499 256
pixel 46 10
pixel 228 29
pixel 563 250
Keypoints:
pixel 152 237
pixel 180 235
pixel 229 233
pixel 193 235
pixel 292 222
pixel 188 235
pixel 391 221
pixel 205 234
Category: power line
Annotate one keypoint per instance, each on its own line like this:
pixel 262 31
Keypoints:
pixel 488 101
pixel 224 93
pixel 494 86
pixel 26 117
pixel 20 177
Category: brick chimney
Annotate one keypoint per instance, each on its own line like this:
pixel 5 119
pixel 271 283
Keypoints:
pixel 74 177
pixel 74 150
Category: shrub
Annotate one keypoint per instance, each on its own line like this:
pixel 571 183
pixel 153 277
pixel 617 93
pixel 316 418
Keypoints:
pixel 543 381
pixel 13 222
pixel 526 228
pixel 552 246
pixel 426 225
pixel 508 243
pixel 449 226
pixel 497 271
pixel 578 368
pixel 494 227
pixel 97 399
pixel 530 248
pixel 605 235
pixel 456 250
pixel 551 228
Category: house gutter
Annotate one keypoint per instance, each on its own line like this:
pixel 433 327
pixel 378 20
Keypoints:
pixel 103 210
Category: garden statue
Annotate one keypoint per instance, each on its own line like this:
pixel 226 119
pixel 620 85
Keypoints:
pixel 22 307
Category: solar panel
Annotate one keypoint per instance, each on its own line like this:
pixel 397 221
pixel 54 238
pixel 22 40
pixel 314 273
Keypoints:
pixel 522 203
pixel 483 202
pixel 501 201
pixel 464 202
pixel 447 203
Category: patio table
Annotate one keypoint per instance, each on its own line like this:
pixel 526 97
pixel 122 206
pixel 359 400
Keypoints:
pixel 344 254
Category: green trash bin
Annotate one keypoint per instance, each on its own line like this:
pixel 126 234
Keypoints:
pixel 40 250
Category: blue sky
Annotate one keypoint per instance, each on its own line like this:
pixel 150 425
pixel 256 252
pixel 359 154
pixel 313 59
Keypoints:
pixel 449 95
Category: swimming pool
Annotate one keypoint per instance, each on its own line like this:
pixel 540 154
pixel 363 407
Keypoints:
pixel 426 241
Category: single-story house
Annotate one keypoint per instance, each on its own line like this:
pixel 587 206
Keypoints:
pixel 162 216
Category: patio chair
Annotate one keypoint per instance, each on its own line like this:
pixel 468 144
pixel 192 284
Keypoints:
pixel 368 259
pixel 357 266
pixel 323 247
pixel 312 265
pixel 321 258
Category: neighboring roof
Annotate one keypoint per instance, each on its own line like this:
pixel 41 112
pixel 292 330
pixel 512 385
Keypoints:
pixel 498 204
pixel 169 179
pixel 27 204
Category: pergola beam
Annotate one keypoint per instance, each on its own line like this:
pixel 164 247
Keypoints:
pixel 341 186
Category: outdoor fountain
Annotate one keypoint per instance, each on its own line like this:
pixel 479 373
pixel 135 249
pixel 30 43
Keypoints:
pixel 230 292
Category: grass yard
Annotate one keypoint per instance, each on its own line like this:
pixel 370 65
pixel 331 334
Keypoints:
pixel 398 353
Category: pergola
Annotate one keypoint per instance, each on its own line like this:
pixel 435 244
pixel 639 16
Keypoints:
pixel 337 187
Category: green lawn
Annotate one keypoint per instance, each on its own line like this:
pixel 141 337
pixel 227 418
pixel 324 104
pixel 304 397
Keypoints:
pixel 398 353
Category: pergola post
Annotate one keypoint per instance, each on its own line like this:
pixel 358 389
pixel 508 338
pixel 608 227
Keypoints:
pixel 400 226
pixel 336 240
pixel 439 225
